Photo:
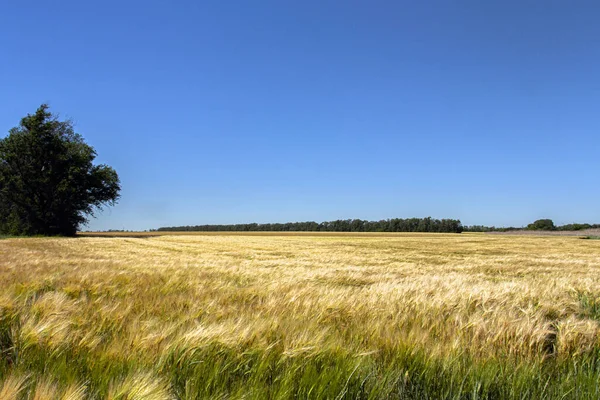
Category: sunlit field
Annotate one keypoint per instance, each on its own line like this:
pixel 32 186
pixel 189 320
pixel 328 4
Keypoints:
pixel 407 316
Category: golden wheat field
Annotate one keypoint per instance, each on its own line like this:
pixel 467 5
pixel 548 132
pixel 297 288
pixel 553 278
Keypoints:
pixel 459 316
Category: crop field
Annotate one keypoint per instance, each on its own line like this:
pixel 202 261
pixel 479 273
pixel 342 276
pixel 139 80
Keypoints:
pixel 396 316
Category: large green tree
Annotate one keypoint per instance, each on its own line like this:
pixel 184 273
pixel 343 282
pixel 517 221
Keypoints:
pixel 542 225
pixel 49 184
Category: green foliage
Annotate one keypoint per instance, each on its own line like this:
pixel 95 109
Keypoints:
pixel 589 304
pixel 218 371
pixel 542 225
pixel 48 182
pixel 567 227
pixel 341 225
pixel 575 227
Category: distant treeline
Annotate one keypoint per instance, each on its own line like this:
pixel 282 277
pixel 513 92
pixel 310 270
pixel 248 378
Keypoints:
pixel 341 225
pixel 539 225
pixel 577 227
pixel 483 228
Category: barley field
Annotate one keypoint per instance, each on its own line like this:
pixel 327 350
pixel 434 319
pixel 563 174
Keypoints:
pixel 269 316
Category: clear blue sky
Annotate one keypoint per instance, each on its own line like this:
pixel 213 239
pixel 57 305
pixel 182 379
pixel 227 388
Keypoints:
pixel 274 111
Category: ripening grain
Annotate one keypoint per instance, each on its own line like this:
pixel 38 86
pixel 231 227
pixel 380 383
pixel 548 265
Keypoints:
pixel 248 316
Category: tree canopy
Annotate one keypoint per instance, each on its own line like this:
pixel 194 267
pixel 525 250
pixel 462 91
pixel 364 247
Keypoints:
pixel 49 184
pixel 542 225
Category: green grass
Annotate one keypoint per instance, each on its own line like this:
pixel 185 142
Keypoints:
pixel 220 371
pixel 589 304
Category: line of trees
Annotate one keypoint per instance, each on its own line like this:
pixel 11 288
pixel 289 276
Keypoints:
pixel 539 225
pixel 341 225
pixel 577 227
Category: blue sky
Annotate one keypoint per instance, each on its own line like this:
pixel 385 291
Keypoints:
pixel 274 111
